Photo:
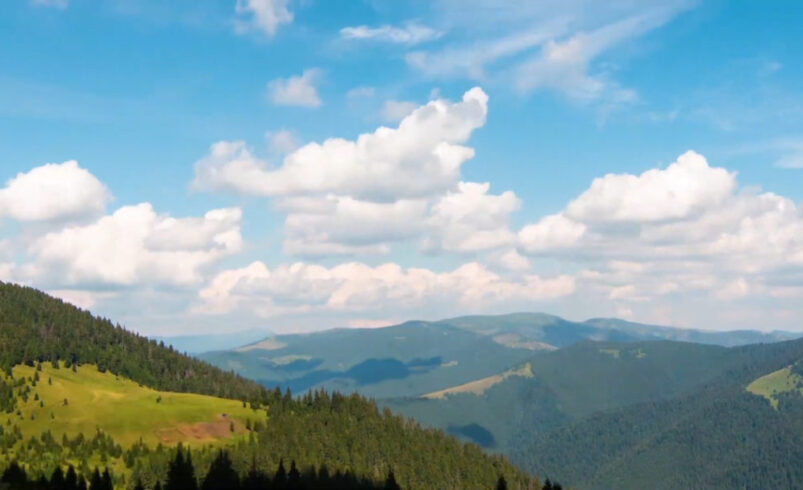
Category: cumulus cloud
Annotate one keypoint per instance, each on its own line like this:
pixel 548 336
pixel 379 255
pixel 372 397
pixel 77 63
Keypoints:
pixel 299 90
pixel 53 192
pixel 396 184
pixel 421 157
pixel 411 33
pixel 552 232
pixel 685 229
pixel 685 187
pixel 135 246
pixel 357 287
pixel 261 15
pixel 334 225
pixel 471 219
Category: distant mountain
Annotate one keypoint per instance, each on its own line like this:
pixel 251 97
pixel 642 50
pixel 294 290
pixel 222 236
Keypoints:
pixel 408 359
pixel 603 403
pixel 197 344
pixel 549 330
pixel 419 357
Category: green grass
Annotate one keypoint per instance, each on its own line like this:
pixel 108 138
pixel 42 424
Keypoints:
pixel 480 386
pixel 289 359
pixel 123 409
pixel 780 381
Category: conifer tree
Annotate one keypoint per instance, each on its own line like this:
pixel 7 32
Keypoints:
pixel 181 473
pixel 71 479
pixel 221 475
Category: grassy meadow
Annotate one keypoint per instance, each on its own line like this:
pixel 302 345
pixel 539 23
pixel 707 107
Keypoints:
pixel 67 402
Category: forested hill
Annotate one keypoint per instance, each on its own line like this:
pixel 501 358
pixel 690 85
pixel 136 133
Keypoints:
pixel 41 336
pixel 743 429
pixel 36 327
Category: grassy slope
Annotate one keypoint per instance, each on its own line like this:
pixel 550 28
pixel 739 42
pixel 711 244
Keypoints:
pixel 775 383
pixel 480 386
pixel 124 410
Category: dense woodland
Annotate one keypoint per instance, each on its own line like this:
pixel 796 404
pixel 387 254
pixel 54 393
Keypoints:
pixel 347 435
pixel 720 435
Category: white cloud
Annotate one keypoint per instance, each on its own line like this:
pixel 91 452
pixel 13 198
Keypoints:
pixel 282 142
pixel 420 158
pixel 53 192
pixel 361 92
pixel 687 186
pixel 472 220
pixel 263 15
pixel 551 45
pixel 552 232
pixel 687 230
pixel 300 90
pixel 396 110
pixel 59 4
pixel 394 185
pixel 356 287
pixel 564 65
pixel 471 60
pixel 411 33
pixel 135 246
pixel 335 225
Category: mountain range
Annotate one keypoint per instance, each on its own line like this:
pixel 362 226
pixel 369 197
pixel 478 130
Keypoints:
pixel 603 403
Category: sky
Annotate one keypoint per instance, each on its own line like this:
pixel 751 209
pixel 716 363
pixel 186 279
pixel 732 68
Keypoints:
pixel 192 167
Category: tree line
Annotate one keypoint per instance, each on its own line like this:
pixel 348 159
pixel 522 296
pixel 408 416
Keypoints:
pixel 221 475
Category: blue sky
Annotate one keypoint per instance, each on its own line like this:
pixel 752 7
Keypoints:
pixel 547 96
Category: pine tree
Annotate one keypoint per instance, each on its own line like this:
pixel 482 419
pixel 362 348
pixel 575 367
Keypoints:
pixel 221 475
pixel 181 473
pixel 71 479
pixel 57 479
pixel 390 481
pixel 108 484
pixel 294 476
pixel 14 477
pixel 280 479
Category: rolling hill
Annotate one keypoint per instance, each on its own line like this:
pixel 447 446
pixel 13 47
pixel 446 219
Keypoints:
pixel 122 401
pixel 418 357
pixel 408 359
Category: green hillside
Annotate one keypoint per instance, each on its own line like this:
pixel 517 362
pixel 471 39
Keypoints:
pixel 130 400
pixel 69 402
pixel 777 384
pixel 567 385
pixel 717 435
